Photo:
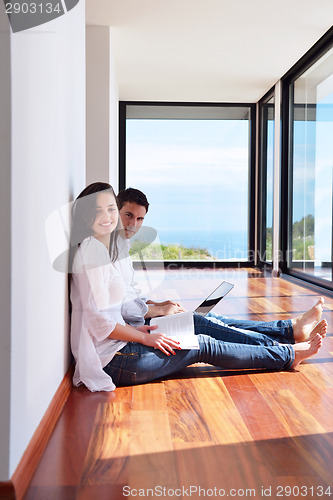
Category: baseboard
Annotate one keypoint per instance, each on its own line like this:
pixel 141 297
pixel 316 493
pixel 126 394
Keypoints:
pixel 32 455
pixel 7 491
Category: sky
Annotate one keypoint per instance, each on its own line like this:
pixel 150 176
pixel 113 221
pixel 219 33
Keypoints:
pixel 194 172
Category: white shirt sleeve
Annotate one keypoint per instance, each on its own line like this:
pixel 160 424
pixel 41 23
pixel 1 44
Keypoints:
pixel 97 292
pixel 134 305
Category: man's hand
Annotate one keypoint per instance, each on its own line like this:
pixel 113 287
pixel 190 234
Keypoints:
pixel 171 308
pixel 164 303
pixel 163 309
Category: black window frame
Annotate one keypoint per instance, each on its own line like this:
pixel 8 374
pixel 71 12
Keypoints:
pixel 311 57
pixel 252 182
pixel 262 180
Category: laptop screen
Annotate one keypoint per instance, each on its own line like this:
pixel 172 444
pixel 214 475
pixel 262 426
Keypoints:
pixel 215 297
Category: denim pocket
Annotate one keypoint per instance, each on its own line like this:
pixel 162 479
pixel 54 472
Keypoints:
pixel 118 369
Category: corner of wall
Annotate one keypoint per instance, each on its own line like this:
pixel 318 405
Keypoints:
pixel 102 107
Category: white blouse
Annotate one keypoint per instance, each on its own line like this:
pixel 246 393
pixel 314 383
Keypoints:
pixel 97 293
pixel 134 305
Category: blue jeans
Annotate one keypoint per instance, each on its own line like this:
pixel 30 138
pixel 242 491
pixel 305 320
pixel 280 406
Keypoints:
pixel 224 342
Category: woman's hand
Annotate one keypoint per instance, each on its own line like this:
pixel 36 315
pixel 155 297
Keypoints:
pixel 146 328
pixel 163 343
pixel 142 336
pixel 159 340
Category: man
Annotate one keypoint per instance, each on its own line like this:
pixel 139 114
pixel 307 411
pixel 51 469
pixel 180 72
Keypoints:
pixel 133 207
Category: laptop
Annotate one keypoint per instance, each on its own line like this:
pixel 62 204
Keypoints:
pixel 214 298
pixel 181 326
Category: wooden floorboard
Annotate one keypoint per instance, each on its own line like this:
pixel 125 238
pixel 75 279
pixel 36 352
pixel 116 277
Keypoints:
pixel 246 434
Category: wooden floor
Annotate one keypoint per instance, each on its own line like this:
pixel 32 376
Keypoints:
pixel 205 432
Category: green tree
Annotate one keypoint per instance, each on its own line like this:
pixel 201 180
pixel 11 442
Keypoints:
pixel 168 252
pixel 304 227
pixel 303 238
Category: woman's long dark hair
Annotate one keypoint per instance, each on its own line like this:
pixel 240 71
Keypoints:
pixel 83 217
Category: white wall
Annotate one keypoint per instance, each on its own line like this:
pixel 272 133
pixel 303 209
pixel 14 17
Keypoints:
pixel 102 107
pixel 114 121
pixel 48 169
pixel 5 242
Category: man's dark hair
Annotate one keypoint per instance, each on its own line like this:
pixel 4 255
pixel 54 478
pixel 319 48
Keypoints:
pixel 132 195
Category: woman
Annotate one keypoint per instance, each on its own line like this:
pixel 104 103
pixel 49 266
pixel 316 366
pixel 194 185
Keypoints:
pixel 108 352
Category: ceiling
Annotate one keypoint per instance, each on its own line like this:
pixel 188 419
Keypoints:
pixel 207 50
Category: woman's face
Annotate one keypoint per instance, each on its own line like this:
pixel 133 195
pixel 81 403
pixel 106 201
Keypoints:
pixel 106 215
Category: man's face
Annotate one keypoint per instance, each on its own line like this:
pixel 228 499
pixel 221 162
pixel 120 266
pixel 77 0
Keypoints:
pixel 132 216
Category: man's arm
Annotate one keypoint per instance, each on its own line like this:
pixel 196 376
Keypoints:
pixel 154 308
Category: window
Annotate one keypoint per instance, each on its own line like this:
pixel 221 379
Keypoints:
pixel 310 167
pixel 194 165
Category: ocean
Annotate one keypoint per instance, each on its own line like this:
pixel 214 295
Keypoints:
pixel 220 244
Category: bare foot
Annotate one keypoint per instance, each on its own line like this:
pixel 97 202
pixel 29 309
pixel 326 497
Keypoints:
pixel 304 325
pixel 305 350
pixel 321 328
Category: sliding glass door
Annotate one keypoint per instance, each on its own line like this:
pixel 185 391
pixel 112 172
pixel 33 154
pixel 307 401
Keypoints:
pixel 310 170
